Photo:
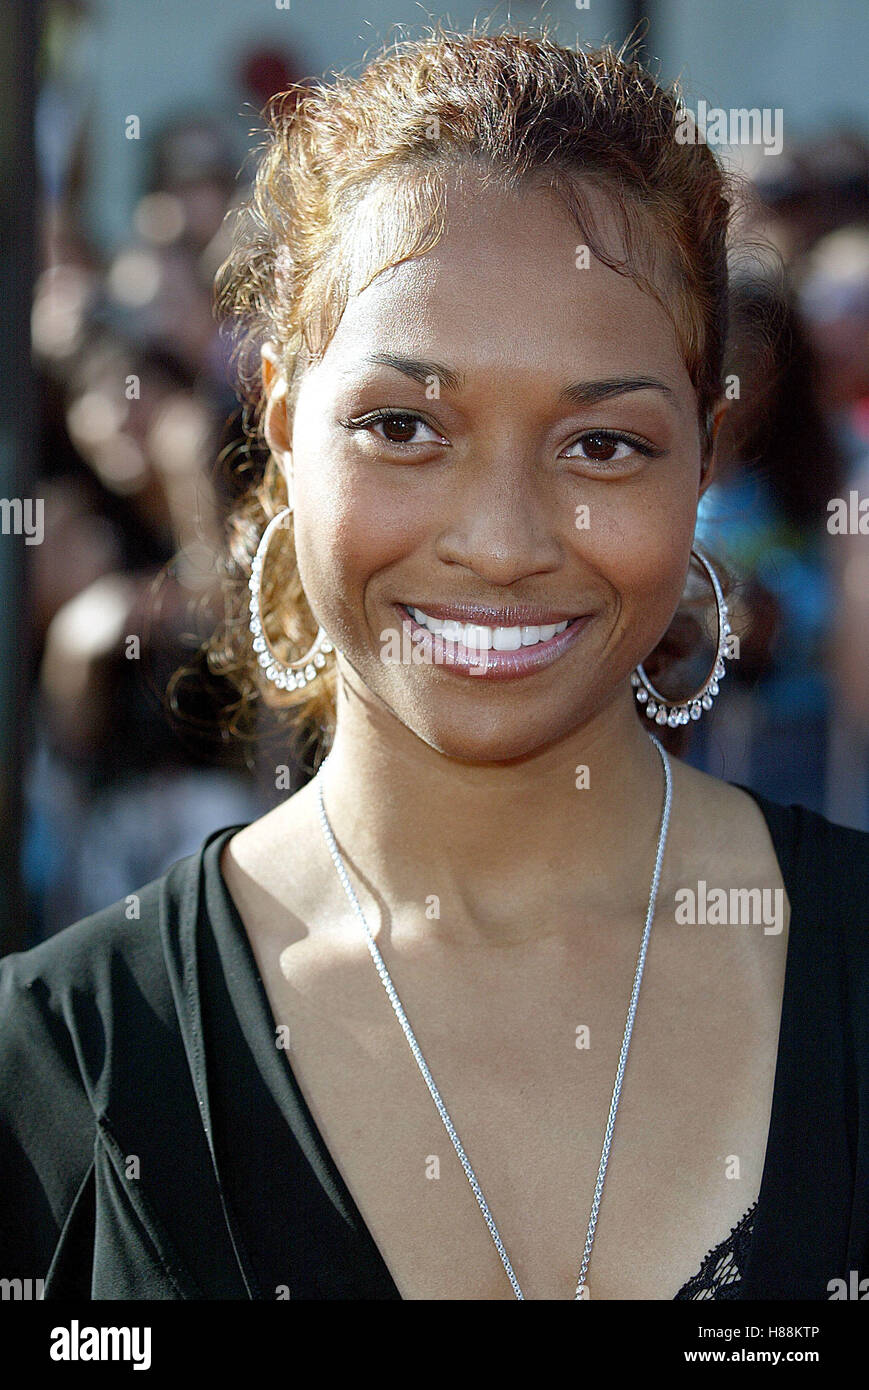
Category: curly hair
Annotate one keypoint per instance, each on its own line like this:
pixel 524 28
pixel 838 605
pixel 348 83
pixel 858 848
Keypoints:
pixel 351 180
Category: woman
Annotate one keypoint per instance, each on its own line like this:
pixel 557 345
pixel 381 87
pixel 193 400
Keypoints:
pixel 488 281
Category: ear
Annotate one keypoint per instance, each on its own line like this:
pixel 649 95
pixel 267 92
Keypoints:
pixel 709 462
pixel 276 424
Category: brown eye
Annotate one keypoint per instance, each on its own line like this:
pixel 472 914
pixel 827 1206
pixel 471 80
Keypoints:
pixel 396 427
pixel 599 447
pixel 399 429
pixel 606 447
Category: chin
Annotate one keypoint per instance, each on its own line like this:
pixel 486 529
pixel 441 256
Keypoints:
pixel 492 738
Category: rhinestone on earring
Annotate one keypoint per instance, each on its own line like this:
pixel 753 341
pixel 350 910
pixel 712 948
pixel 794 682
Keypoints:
pixel 674 712
pixel 286 675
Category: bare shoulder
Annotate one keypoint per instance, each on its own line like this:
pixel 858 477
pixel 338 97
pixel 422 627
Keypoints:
pixel 722 823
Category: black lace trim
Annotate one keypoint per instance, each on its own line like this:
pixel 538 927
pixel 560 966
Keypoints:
pixel 720 1274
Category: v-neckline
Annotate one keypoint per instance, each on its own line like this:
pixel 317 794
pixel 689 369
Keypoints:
pixel 274 1064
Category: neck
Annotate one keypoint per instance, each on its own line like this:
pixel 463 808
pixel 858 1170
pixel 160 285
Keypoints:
pixel 496 840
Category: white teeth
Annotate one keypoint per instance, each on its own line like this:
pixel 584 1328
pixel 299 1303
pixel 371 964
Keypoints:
pixel 480 638
pixel 501 639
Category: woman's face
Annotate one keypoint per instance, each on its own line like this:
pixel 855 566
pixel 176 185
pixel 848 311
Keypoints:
pixel 500 484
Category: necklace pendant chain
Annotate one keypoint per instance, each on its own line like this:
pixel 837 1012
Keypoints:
pixel 394 1000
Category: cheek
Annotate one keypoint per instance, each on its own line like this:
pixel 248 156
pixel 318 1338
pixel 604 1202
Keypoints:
pixel 639 549
pixel 349 530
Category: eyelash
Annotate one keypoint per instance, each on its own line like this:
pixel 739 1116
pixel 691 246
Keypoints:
pixel 611 436
pixel 618 437
pixel 373 416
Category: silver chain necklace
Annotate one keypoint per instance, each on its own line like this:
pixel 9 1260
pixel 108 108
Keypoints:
pixel 421 1062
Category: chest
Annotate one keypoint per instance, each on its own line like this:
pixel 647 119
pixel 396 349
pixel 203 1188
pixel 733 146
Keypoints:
pixel 524 1049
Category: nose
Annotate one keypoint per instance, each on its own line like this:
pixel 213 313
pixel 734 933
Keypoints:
pixel 501 523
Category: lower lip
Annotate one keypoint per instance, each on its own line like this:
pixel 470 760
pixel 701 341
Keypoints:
pixel 490 664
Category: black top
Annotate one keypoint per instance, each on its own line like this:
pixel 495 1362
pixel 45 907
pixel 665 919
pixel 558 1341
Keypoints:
pixel 154 1142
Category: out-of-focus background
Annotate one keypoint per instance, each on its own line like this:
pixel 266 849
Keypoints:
pixel 124 130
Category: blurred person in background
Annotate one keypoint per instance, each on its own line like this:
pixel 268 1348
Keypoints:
pixel 160 284
pixel 798 346
pixel 136 395
pixel 815 186
pixel 767 506
pixel 833 288
pixel 113 788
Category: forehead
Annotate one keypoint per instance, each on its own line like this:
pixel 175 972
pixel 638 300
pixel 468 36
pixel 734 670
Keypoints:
pixel 508 289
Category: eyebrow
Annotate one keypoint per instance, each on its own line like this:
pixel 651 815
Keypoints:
pixel 579 393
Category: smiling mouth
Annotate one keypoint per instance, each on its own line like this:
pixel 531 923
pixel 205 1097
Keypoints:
pixel 482 637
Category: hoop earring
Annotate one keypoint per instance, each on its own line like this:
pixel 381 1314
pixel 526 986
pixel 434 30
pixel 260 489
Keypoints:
pixel 674 712
pixel 286 675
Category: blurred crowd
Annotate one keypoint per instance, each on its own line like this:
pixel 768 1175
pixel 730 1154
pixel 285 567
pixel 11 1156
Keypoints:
pixel 792 719
pixel 135 409
pixel 135 405
pixel 129 766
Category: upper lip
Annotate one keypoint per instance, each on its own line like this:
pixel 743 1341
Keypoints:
pixel 514 615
